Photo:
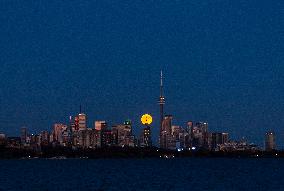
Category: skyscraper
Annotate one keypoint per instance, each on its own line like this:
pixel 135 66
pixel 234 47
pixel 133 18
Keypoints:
pixel 69 132
pixel 270 141
pixel 58 129
pixel 203 129
pixel 218 139
pixel 100 125
pixel 44 137
pixel 161 103
pixel 122 134
pixel 145 137
pixel 24 135
pixel 76 124
pixel 190 131
pixel 166 132
pixel 82 121
pixel 106 138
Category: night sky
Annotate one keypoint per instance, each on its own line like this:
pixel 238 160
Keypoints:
pixel 222 61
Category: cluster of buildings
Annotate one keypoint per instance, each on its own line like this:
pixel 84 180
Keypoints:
pixel 76 134
pixel 197 137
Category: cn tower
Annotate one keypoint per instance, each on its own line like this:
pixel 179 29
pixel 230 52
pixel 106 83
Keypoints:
pixel 161 103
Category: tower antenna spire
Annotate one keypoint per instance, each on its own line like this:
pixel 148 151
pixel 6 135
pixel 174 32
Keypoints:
pixel 161 85
pixel 161 104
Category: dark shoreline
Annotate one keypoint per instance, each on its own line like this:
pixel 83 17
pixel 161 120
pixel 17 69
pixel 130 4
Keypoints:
pixel 117 152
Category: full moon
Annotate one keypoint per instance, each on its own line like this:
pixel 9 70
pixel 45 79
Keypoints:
pixel 146 119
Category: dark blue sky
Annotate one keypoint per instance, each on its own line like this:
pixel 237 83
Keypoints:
pixel 223 63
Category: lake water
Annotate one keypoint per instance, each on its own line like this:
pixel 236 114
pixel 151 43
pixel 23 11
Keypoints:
pixel 143 174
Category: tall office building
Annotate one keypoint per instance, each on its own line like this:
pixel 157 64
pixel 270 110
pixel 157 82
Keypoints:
pixel 97 139
pixel 82 121
pixel 106 138
pixel 72 124
pixel 203 128
pixel 179 138
pixel 24 134
pixel 166 132
pixel 75 131
pixel 145 137
pixel 44 137
pixel 161 103
pixel 225 138
pixel 100 125
pixel 189 126
pixel 270 141
pixel 70 129
pixel 184 139
pixel 190 131
pixel 199 135
pixel 218 139
pixel 97 135
pixel 176 131
pixel 58 130
pixel 81 138
pixel 122 134
pixel 76 124
pixel 89 138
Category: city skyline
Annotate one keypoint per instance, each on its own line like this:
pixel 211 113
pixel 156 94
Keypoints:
pixel 194 135
pixel 139 127
pixel 141 95
pixel 225 67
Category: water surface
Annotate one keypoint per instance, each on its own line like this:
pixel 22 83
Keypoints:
pixel 143 174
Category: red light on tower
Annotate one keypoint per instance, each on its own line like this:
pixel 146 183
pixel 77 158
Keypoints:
pixel 76 123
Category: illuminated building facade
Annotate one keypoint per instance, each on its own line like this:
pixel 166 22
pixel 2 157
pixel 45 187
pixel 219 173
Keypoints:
pixel 82 121
pixel 106 140
pixel 180 138
pixel 122 135
pixel 58 129
pixel 76 124
pixel 100 125
pixel 145 137
pixel 166 138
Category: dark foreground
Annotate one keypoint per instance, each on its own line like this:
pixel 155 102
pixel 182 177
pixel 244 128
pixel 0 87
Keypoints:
pixel 192 174
pixel 117 152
